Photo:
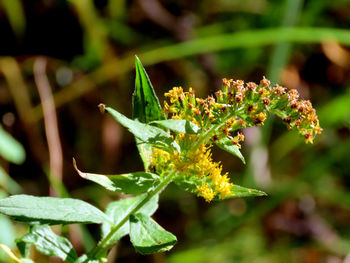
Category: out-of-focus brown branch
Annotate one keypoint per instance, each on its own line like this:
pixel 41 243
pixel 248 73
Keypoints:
pixel 20 94
pixel 11 71
pixel 50 120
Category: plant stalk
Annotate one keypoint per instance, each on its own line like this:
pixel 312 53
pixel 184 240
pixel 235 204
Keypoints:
pixel 96 252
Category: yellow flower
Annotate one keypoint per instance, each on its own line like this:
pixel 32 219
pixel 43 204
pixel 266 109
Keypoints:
pixel 206 192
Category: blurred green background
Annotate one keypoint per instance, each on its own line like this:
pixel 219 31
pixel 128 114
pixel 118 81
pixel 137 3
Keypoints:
pixel 82 52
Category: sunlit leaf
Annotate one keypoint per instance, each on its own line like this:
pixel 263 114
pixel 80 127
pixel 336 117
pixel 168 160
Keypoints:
pixel 226 145
pixel 48 243
pixel 182 126
pixel 51 210
pixel 85 259
pixel 119 209
pixel 190 184
pixel 146 105
pixel 130 183
pixel 240 191
pixel 146 133
pixel 148 237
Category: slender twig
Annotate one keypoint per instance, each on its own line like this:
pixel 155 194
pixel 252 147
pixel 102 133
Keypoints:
pixel 50 120
pixel 96 252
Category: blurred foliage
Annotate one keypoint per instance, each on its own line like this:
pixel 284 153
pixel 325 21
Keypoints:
pixel 90 48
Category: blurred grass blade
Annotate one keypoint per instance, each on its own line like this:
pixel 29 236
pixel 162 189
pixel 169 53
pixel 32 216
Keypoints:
pixel 281 52
pixel 130 183
pixel 10 149
pixel 145 102
pixel 8 183
pixel 48 243
pixel 119 209
pixel 229 41
pixel 148 237
pixel 15 14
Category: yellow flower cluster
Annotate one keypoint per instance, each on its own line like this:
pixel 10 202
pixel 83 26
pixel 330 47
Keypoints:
pixel 238 105
pixel 199 164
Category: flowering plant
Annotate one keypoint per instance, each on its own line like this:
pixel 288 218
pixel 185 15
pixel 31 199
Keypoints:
pixel 175 145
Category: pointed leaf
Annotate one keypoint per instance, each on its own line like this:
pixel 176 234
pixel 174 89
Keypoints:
pixel 146 105
pixel 131 183
pixel 146 133
pixel 148 237
pixel 10 149
pixel 190 184
pixel 240 191
pixel 51 210
pixel 182 126
pixel 226 145
pixel 48 243
pixel 119 209
pixel 24 248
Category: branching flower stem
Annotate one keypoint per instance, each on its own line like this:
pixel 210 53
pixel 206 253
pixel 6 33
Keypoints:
pixel 101 247
pixel 204 137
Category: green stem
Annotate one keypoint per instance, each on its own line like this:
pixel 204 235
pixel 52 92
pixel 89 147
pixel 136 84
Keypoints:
pixel 101 246
pixel 204 137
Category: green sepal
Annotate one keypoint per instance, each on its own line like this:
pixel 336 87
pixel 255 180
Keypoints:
pixel 148 237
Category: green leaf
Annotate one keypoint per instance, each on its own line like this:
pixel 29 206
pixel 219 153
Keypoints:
pixel 48 243
pixel 148 237
pixel 10 149
pixel 146 133
pixel 146 107
pixel 190 184
pixel 85 259
pixel 145 103
pixel 240 191
pixel 51 210
pixel 24 248
pixel 226 145
pixel 182 126
pixel 131 183
pixel 119 209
